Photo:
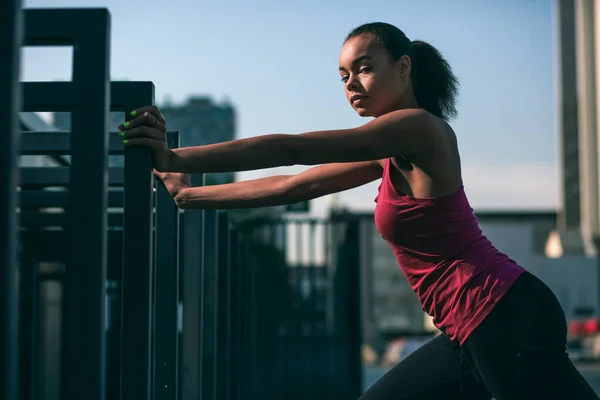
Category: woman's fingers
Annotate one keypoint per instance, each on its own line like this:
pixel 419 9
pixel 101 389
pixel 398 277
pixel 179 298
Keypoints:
pixel 152 110
pixel 152 119
pixel 143 131
pixel 146 142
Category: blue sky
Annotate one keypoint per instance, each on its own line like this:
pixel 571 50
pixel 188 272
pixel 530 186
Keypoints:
pixel 277 63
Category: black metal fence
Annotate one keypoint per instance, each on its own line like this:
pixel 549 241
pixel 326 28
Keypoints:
pixel 119 294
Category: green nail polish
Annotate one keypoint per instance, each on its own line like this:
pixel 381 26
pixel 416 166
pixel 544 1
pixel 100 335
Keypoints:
pixel 121 134
pixel 125 141
pixel 133 113
pixel 126 124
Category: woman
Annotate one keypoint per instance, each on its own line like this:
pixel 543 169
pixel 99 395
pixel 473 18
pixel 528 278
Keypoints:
pixel 503 331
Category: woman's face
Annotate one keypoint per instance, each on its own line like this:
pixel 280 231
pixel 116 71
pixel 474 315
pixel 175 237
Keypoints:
pixel 373 82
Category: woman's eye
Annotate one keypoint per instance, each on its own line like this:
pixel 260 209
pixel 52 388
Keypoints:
pixel 365 70
pixel 344 79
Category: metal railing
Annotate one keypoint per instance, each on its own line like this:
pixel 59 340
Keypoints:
pixel 158 303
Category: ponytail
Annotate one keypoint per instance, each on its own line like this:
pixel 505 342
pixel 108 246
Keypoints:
pixel 434 84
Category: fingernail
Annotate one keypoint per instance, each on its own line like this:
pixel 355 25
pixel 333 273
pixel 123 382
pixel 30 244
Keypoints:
pixel 121 134
pixel 126 124
pixel 133 113
pixel 125 141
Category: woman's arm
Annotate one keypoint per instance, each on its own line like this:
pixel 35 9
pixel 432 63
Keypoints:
pixel 406 133
pixel 282 189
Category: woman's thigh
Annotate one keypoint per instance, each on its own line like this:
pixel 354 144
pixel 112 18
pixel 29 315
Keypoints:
pixel 431 372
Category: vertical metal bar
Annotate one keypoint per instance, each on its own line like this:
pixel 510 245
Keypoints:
pixel 236 339
pixel 114 328
pixel 209 304
pixel 254 326
pixel 244 322
pixel 294 366
pixel 192 293
pixel 223 308
pixel 313 277
pixel 28 327
pixel 313 315
pixel 11 38
pixel 137 265
pixel 352 305
pixel 247 291
pixel 280 344
pixel 334 295
pixel 153 287
pixel 167 293
pixel 84 338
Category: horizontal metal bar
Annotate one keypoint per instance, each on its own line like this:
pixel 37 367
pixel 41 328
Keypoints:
pixel 60 96
pixel 59 176
pixel 32 219
pixel 39 219
pixel 47 96
pixel 59 143
pixel 60 27
pixel 52 245
pixel 39 198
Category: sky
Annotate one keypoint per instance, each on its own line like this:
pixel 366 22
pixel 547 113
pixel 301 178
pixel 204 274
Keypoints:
pixel 276 62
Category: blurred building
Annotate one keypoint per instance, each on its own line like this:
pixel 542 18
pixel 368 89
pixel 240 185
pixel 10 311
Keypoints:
pixel 578 101
pixel 577 27
pixel 200 121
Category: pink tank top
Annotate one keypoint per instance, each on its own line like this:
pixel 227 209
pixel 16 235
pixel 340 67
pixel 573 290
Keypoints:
pixel 455 271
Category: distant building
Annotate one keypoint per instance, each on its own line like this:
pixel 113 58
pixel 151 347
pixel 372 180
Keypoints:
pixel 199 121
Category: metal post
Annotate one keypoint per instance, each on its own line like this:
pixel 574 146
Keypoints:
pixel 209 304
pixel 192 291
pixel 223 309
pixel 350 270
pixel 248 324
pixel 85 280
pixel 137 261
pixel 28 327
pixel 166 293
pixel 235 364
pixel 87 30
pixel 10 45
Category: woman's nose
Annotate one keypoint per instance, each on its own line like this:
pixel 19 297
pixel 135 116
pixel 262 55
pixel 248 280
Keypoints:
pixel 352 83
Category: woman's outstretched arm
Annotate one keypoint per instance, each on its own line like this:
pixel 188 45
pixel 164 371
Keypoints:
pixel 406 133
pixel 275 190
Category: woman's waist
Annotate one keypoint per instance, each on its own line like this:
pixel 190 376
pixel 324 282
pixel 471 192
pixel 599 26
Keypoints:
pixel 478 250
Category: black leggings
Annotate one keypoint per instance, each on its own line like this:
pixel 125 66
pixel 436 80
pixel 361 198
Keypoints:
pixel 518 352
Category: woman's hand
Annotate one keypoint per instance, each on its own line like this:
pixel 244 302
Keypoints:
pixel 149 129
pixel 174 181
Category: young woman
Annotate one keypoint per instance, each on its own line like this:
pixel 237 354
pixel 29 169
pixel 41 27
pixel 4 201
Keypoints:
pixel 503 330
